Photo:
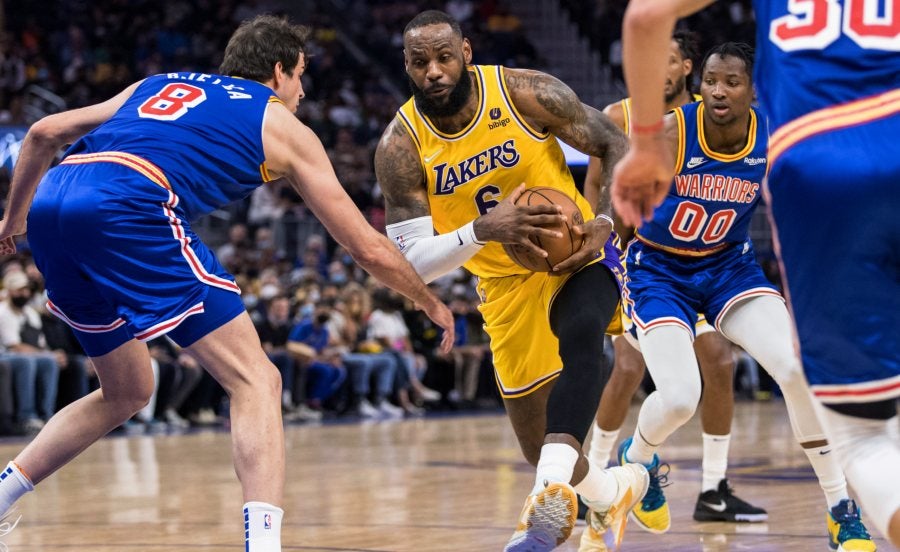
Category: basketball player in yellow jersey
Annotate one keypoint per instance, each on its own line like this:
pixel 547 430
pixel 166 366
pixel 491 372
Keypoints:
pixel 713 350
pixel 451 165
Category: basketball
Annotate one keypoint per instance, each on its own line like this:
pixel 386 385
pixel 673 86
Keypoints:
pixel 557 249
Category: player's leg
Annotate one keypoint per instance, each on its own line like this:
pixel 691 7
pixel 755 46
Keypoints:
pixel 552 422
pixel 717 501
pixel 762 326
pixel 234 356
pixel 626 377
pixel 668 351
pixel 126 383
pixel 866 433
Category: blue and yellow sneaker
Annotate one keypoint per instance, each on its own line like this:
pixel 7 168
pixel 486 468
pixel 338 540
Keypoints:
pixel 652 514
pixel 846 532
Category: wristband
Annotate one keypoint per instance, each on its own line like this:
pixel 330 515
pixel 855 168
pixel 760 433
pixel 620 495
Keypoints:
pixel 607 218
pixel 647 129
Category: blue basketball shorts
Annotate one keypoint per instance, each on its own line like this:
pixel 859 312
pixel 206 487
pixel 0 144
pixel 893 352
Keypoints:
pixel 835 201
pixel 662 288
pixel 120 261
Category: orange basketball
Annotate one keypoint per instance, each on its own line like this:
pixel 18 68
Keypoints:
pixel 557 249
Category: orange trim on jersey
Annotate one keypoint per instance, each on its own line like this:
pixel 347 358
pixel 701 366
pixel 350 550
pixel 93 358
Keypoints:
pixel 682 139
pixel 264 172
pixel 536 134
pixel 129 160
pixel 275 99
pixel 833 118
pixel 858 392
pixel 685 251
pixel 725 157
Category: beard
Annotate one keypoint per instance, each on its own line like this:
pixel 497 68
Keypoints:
pixel 451 106
pixel 677 89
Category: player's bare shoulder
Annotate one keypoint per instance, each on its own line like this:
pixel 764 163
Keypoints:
pixel 399 170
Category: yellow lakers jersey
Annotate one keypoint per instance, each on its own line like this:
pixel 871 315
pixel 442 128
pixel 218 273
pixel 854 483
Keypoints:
pixel 471 171
pixel 626 112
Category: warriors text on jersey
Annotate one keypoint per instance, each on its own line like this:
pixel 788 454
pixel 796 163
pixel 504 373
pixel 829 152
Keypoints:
pixel 713 195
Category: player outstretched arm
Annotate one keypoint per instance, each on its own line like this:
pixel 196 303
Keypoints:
pixel 641 181
pixel 399 171
pixel 294 152
pixel 548 104
pixel 43 140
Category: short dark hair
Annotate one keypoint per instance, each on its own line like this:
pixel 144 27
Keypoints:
pixel 433 17
pixel 259 44
pixel 739 50
pixel 688 43
pixel 689 46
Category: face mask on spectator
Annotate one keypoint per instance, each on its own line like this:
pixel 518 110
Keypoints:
pixel 19 301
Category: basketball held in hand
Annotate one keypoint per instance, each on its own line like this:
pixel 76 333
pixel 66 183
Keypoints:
pixel 558 249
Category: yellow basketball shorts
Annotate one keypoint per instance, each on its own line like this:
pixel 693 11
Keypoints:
pixel 516 311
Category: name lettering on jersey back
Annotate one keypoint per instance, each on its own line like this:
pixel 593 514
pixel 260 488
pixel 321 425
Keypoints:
pixel 716 187
pixel 448 177
pixel 234 91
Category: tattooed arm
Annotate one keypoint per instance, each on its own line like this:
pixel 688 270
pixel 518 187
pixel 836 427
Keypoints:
pixel 399 170
pixel 548 104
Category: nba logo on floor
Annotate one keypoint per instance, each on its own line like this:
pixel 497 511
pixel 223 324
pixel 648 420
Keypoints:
pixel 267 521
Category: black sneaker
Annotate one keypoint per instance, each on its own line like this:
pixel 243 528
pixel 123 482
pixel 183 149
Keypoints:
pixel 722 505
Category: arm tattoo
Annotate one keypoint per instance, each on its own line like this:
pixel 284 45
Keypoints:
pixel 580 126
pixel 399 171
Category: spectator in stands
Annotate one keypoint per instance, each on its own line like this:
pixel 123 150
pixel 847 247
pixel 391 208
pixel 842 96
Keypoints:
pixel 273 332
pixel 7 425
pixel 35 370
pixel 179 375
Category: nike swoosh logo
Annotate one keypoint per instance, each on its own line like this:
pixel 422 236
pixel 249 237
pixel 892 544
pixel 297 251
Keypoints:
pixel 460 243
pixel 430 158
pixel 695 163
pixel 719 507
pixel 824 452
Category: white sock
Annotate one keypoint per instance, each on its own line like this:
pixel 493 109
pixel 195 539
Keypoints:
pixel 13 484
pixel 602 444
pixel 715 460
pixel 640 450
pixel 555 466
pixel 828 470
pixel 262 527
pixel 598 486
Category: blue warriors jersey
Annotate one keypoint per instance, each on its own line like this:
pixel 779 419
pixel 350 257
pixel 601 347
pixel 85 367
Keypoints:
pixel 204 132
pixel 713 194
pixel 814 55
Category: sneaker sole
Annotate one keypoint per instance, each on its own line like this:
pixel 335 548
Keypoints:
pixel 544 524
pixel 730 518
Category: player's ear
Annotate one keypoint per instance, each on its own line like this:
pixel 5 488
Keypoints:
pixel 687 66
pixel 467 51
pixel 279 74
pixel 405 60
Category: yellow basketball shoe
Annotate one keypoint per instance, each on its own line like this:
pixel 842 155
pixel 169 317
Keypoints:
pixel 652 514
pixel 546 520
pixel 846 532
pixel 606 522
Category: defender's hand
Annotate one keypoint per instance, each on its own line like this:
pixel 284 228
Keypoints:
pixel 440 314
pixel 642 180
pixel 593 234
pixel 511 223
pixel 8 232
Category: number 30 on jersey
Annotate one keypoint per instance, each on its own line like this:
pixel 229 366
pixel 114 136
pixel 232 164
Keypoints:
pixel 815 24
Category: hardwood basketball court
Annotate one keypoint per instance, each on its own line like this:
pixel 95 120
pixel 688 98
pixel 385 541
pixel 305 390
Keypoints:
pixel 432 485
